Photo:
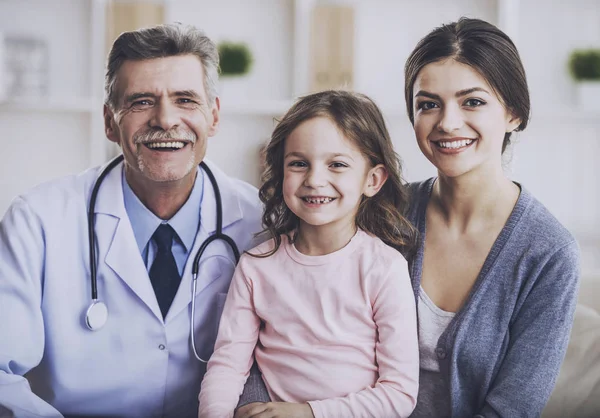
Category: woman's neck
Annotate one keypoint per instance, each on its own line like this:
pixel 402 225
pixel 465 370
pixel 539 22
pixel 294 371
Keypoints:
pixel 321 240
pixel 474 199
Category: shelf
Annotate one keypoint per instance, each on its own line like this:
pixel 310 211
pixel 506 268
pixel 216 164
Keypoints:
pixel 52 104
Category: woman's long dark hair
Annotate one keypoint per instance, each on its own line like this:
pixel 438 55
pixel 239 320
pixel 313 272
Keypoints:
pixel 361 121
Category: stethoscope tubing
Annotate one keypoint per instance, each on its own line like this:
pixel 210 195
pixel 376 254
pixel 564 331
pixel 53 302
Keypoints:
pixel 218 235
pixel 92 222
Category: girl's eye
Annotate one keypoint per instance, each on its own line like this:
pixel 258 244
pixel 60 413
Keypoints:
pixel 338 165
pixel 426 105
pixel 474 103
pixel 297 164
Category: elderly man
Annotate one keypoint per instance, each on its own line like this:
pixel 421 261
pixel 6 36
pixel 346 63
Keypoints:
pixel 120 344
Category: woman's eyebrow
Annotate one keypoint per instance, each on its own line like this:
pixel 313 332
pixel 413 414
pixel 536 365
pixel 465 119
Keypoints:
pixel 460 93
pixel 470 90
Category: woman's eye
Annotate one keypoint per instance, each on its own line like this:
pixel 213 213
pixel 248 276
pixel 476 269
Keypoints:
pixel 474 103
pixel 426 105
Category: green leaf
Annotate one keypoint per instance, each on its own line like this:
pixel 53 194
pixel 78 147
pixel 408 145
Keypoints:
pixel 584 64
pixel 235 58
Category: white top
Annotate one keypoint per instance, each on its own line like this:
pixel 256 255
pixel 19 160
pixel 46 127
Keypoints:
pixel 433 321
pixel 434 397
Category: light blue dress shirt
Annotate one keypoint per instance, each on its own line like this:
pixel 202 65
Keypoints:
pixel 185 223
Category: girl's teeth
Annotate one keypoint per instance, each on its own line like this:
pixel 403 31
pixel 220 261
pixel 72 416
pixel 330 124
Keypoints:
pixel 319 200
pixel 455 144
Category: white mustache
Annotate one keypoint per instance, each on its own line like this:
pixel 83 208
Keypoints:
pixel 159 135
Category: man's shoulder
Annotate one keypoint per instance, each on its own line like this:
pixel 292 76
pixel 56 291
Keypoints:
pixel 61 191
pixel 244 189
pixel 246 193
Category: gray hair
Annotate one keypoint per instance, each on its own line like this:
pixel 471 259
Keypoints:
pixel 158 42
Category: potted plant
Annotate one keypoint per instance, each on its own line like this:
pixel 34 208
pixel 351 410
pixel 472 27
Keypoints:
pixel 235 60
pixel 584 65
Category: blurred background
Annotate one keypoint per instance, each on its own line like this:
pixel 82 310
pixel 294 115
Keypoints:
pixel 52 57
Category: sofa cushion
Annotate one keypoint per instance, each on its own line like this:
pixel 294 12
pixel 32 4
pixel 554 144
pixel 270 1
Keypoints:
pixel 577 390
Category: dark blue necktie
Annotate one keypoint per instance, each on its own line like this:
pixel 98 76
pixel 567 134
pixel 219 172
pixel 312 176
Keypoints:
pixel 164 274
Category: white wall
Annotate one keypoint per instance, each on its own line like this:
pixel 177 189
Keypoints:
pixel 554 158
pixel 39 145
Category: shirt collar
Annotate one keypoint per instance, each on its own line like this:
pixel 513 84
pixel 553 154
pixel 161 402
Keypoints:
pixel 143 222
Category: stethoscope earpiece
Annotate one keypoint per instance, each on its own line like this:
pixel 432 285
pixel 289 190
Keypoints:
pixel 96 315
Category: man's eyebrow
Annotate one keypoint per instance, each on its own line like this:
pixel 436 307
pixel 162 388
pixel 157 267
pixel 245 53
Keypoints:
pixel 186 93
pixel 135 96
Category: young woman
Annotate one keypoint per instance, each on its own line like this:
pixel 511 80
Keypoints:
pixel 326 306
pixel 495 274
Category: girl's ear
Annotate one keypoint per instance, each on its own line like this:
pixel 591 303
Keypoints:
pixel 376 178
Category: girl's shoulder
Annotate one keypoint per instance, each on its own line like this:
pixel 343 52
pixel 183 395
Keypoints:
pixel 381 253
pixel 267 245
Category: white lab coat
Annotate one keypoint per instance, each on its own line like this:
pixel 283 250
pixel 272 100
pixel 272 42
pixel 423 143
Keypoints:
pixel 137 364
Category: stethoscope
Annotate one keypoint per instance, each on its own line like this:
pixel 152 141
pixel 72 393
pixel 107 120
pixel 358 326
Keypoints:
pixel 97 313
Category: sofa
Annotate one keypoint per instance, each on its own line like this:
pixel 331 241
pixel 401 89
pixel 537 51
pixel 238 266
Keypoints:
pixel 577 390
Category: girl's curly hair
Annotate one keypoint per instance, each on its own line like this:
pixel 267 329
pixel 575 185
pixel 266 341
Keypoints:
pixel 361 122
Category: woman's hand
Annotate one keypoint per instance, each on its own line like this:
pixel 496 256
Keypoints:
pixel 274 410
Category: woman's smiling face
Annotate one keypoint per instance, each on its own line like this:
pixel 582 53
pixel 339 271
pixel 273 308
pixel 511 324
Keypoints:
pixel 459 121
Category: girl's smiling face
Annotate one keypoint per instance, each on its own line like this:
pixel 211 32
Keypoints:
pixel 459 121
pixel 325 175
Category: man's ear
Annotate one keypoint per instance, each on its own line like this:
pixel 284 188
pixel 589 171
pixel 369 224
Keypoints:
pixel 215 112
pixel 376 178
pixel 110 126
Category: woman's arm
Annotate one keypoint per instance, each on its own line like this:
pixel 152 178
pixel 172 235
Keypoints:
pixel 228 367
pixel 396 353
pixel 538 341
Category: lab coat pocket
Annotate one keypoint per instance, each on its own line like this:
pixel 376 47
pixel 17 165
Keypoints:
pixel 221 297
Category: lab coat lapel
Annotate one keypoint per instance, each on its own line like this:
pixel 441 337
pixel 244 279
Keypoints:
pixel 117 247
pixel 232 213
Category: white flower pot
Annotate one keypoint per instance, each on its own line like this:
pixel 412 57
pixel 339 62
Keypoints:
pixel 588 95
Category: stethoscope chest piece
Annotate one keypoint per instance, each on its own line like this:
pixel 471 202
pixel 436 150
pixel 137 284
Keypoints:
pixel 96 315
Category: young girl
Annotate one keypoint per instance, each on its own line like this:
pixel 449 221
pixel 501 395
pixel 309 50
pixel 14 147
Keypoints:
pixel 326 305
pixel 495 273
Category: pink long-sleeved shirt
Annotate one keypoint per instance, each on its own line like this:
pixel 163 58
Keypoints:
pixel 338 331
